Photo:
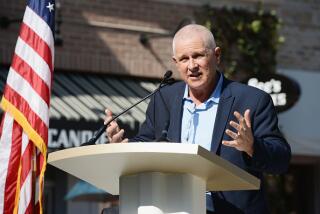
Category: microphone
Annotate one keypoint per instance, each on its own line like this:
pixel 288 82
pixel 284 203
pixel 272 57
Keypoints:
pixel 167 80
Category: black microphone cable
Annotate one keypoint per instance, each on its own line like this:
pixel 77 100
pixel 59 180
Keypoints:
pixel 167 80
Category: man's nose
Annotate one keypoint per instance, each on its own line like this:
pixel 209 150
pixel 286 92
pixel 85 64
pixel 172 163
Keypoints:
pixel 192 65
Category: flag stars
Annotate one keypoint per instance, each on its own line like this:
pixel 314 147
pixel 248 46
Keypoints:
pixel 50 6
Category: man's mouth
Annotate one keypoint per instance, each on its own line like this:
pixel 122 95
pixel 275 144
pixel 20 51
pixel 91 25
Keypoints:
pixel 195 75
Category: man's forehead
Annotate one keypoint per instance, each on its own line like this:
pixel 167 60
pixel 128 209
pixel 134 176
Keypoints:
pixel 189 51
pixel 192 39
pixel 189 35
pixel 190 43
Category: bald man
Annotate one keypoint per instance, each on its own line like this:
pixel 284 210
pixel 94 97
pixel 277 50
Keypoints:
pixel 232 120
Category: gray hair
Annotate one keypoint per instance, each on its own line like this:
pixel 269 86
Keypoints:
pixel 195 30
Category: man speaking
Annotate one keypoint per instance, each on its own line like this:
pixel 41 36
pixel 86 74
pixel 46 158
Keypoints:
pixel 235 121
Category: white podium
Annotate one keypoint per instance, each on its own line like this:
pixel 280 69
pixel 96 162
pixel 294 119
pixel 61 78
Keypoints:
pixel 154 178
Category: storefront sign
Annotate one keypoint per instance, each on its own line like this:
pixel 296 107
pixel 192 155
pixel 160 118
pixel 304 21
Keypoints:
pixel 64 138
pixel 284 91
pixel 66 134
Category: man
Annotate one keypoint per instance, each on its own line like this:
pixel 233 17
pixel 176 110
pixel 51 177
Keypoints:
pixel 235 121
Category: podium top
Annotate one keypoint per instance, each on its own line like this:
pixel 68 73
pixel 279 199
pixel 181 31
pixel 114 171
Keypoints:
pixel 102 165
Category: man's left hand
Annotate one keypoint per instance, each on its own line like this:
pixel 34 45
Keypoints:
pixel 243 139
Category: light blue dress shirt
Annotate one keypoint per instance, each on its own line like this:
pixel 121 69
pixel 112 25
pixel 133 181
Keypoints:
pixel 198 123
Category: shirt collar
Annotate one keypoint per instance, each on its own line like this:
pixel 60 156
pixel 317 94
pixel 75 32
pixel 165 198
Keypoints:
pixel 215 95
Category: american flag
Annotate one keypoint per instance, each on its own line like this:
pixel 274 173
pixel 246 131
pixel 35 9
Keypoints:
pixel 25 122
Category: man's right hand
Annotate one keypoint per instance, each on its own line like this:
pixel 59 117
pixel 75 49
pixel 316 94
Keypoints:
pixel 113 132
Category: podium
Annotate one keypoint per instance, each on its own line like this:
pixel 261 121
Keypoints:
pixel 154 178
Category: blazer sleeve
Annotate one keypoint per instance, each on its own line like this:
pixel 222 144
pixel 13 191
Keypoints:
pixel 146 131
pixel 271 153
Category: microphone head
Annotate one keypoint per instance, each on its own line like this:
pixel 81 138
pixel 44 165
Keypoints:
pixel 170 81
pixel 168 74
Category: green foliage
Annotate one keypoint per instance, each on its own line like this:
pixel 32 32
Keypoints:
pixel 249 40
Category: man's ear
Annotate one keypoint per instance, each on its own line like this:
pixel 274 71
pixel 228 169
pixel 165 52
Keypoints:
pixel 217 53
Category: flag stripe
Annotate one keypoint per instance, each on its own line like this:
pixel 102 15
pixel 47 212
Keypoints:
pixel 25 196
pixel 40 27
pixel 37 208
pixel 30 208
pixel 39 165
pixel 36 123
pixel 31 77
pixel 5 151
pixel 26 158
pixel 25 142
pixel 26 179
pixel 26 53
pixel 23 88
pixel 13 169
pixel 34 41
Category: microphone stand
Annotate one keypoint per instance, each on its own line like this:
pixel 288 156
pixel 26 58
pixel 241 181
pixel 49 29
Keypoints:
pixel 167 80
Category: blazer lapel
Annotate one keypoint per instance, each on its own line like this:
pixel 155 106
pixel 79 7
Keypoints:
pixel 174 132
pixel 223 112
